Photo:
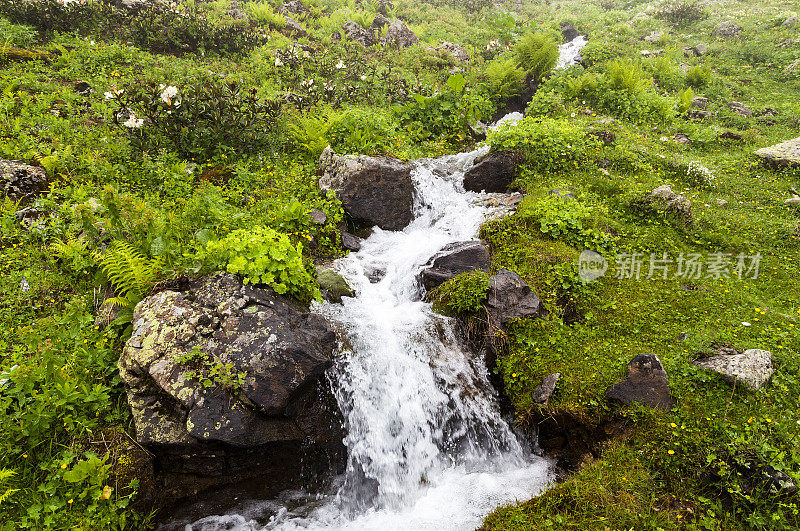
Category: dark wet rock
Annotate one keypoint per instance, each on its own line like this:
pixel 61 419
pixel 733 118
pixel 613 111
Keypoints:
pixel 493 172
pixel 783 154
pixel 20 181
pixel 373 190
pixel 569 32
pixel 318 217
pixel 333 285
pixel 268 355
pixel 399 35
pixel 740 108
pixel 350 242
pixel 293 28
pixel 730 135
pixel 456 52
pixel 682 139
pixel 646 383
pixel 752 367
pixel 82 88
pixel 509 298
pixel 664 198
pixel 357 33
pixel 727 29
pixel 606 137
pixel 293 7
pixel 378 22
pixel 454 259
pixel 548 386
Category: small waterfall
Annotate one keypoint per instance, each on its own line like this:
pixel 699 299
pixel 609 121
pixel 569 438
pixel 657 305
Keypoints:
pixel 427 447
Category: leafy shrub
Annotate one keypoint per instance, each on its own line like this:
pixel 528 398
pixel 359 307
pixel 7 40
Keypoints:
pixel 360 131
pixel 664 73
pixel 445 114
pixel 463 293
pixel 131 273
pixel 570 221
pixel 503 79
pixel 548 145
pixel 202 121
pixel 681 12
pixel 546 103
pixel 166 31
pixel 263 13
pixel 16 35
pixel 537 54
pixel 50 16
pixel 698 76
pixel 262 256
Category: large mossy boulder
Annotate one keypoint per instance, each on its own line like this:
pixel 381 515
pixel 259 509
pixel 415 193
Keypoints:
pixel 221 369
pixel 373 190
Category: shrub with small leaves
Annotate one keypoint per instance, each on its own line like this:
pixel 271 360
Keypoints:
pixel 463 293
pixel 262 256
pixel 681 12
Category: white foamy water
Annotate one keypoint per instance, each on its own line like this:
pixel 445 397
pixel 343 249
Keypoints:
pixel 427 446
pixel 570 52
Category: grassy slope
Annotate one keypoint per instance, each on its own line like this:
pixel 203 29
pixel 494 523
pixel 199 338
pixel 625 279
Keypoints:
pixel 49 329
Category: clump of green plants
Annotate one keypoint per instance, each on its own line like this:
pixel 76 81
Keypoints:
pixel 210 118
pixel 263 13
pixel 261 255
pixel 571 221
pixel 698 76
pixel 448 114
pixel 548 145
pixel 536 54
pixel 504 79
pixel 681 12
pixel 131 273
pixel 464 293
pixel 211 372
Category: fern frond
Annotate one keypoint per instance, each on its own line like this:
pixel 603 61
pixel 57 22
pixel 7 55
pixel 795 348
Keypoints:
pixel 128 269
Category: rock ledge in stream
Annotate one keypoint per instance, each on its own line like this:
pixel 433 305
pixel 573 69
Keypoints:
pixel 274 355
pixel 454 259
pixel 373 190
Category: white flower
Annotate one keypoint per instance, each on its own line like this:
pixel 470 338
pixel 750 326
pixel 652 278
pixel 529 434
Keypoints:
pixel 572 115
pixel 363 78
pixel 134 122
pixel 168 94
pixel 278 61
pixel 340 64
pixel 745 323
pixel 113 93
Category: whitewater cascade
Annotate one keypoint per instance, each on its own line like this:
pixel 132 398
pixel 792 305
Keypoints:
pixel 427 447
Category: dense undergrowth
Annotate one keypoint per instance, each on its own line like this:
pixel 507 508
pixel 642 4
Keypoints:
pixel 184 141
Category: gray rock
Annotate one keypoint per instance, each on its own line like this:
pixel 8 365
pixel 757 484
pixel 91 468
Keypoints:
pixel 318 217
pixel 783 154
pixel 28 216
pixel 682 139
pixel 509 298
pixel 373 190
pixel 350 242
pixel 569 32
pixel 333 285
pixel 457 52
pixel 666 198
pixel 790 22
pixel 384 7
pixel 378 22
pixel 646 383
pixel 699 102
pixel 753 367
pixel 543 393
pixel 793 68
pixel 399 35
pixel 740 108
pixel 294 28
pixel 651 53
pixel 562 194
pixel 273 352
pixel 700 50
pixel 727 29
pixel 20 181
pixel 454 259
pixel 654 36
pixel 722 203
pixel 699 114
pixel 492 172
pixel 357 33
pixel 82 88
pixel 293 7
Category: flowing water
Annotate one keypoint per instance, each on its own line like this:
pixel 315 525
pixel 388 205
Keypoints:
pixel 427 446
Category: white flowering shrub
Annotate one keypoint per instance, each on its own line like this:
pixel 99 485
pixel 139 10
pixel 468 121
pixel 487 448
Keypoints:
pixel 197 122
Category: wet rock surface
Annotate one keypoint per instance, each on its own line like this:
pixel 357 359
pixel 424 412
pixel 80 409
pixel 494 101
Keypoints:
pixel 509 298
pixel 373 190
pixel 20 181
pixel 646 383
pixel 752 367
pixel 493 172
pixel 454 259
pixel 220 371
